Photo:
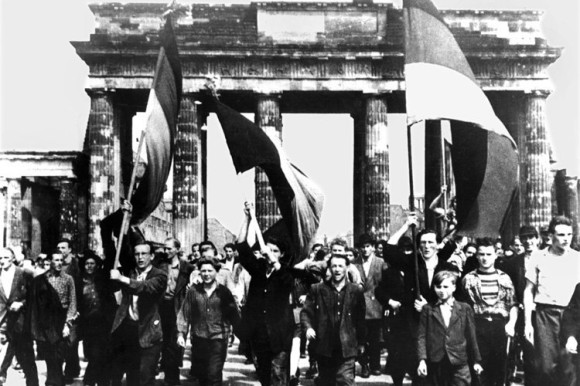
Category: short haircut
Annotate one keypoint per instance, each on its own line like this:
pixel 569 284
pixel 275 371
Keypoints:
pixel 338 256
pixel 53 254
pixel 9 250
pixel 89 254
pixel 485 242
pixel 277 242
pixel 144 242
pixel 528 230
pixel 558 220
pixel 212 261
pixel 426 232
pixel 176 243
pixel 339 241
pixel 405 242
pixel 231 246
pixel 205 245
pixel 194 245
pixel 443 275
pixel 365 239
pixel 64 240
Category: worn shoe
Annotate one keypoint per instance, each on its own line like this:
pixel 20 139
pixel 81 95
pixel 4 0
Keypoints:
pixel 365 372
pixel 376 372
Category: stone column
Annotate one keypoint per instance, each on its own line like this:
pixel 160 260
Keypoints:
pixel 188 215
pixel 68 215
pixel 358 205
pixel 269 118
pixel 13 213
pixel 376 167
pixel 104 163
pixel 536 203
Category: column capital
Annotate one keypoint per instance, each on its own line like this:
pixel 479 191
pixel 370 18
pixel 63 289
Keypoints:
pixel 99 92
pixel 538 93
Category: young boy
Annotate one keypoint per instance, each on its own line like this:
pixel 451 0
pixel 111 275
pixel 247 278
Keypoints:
pixel 446 340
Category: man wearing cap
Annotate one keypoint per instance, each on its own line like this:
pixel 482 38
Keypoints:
pixel 551 275
pixel 371 271
pixel 516 270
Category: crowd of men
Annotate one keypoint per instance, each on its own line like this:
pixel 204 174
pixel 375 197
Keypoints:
pixel 462 313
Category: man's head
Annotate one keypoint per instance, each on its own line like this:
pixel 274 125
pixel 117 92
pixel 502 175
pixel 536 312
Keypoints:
pixel 316 247
pixel 277 247
pixel 405 245
pixel 142 252
pixel 91 262
pixel 380 247
pixel 561 233
pixel 367 245
pixel 171 248
pixel 338 245
pixel 208 269
pixel 470 250
pixel 517 246
pixel 530 238
pixel 427 239
pixel 64 248
pixel 56 262
pixel 351 254
pixel 7 258
pixel 230 251
pixel 337 265
pixel 486 254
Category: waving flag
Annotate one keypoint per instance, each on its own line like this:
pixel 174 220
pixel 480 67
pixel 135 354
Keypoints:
pixel 162 111
pixel 300 201
pixel 440 85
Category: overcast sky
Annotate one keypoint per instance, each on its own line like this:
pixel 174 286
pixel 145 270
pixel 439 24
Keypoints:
pixel 43 105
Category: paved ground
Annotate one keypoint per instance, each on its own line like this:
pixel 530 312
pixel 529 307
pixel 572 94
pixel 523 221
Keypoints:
pixel 235 373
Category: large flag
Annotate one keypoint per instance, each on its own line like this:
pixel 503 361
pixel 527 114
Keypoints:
pixel 300 201
pixel 440 85
pixel 162 111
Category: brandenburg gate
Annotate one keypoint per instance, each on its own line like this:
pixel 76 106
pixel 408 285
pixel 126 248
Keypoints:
pixel 275 58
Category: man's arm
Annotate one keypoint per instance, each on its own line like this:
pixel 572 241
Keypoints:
pixel 154 285
pixel 571 322
pixel 71 313
pixel 411 220
pixel 528 307
pixel 307 315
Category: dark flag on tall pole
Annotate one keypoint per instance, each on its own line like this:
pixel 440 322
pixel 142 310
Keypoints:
pixel 300 200
pixel 162 111
pixel 441 85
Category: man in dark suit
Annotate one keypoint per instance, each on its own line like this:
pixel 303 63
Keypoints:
pixel 267 319
pixel 137 333
pixel 334 317
pixel 14 285
pixel 178 272
pixel 371 270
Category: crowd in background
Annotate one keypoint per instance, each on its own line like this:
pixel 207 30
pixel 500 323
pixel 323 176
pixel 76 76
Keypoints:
pixel 464 312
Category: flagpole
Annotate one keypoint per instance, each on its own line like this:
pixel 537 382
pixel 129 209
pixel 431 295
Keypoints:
pixel 127 215
pixel 412 209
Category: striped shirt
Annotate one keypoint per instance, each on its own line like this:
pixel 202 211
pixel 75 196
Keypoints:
pixel 489 293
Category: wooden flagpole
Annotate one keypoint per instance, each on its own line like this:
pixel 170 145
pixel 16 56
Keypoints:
pixel 127 215
pixel 412 209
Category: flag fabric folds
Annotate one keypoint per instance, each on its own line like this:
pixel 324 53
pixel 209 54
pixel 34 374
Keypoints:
pixel 162 111
pixel 299 199
pixel 441 85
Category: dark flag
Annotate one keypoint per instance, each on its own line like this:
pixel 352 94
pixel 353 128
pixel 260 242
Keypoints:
pixel 440 85
pixel 300 201
pixel 162 111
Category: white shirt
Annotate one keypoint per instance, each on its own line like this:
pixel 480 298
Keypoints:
pixel 446 311
pixel 367 265
pixel 133 310
pixel 431 264
pixel 7 277
pixel 555 276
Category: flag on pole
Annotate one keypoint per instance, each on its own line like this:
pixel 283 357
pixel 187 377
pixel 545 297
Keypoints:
pixel 441 85
pixel 299 199
pixel 162 111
